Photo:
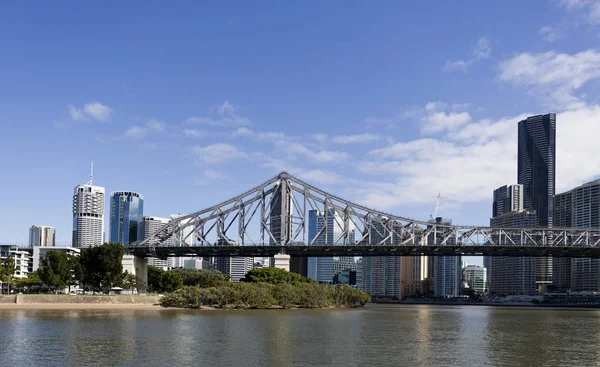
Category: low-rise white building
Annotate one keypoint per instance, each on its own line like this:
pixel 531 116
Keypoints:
pixel 39 253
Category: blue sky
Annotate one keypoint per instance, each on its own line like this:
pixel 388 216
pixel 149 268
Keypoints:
pixel 385 104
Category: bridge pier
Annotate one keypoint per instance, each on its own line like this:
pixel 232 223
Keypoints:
pixel 282 261
pixel 138 266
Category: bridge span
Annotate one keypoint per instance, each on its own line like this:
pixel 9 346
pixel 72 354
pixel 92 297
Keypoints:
pixel 286 215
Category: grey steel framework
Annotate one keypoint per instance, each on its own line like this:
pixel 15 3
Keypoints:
pixel 243 226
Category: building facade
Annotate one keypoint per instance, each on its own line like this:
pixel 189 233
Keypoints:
pixel 126 212
pixel 88 216
pixel 44 236
pixel 536 172
pixel 381 275
pixel 579 208
pixel 446 269
pixel 22 259
pixel 513 275
pixel 475 277
pixel 148 227
pixel 235 267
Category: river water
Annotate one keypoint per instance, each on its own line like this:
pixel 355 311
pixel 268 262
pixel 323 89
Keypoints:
pixel 373 336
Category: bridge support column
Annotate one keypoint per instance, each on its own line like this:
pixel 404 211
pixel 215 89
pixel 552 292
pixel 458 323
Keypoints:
pixel 282 261
pixel 138 266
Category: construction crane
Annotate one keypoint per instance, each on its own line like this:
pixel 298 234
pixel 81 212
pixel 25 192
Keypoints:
pixel 437 204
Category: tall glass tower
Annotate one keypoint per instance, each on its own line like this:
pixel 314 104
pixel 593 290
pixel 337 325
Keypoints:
pixel 536 165
pixel 536 169
pixel 126 212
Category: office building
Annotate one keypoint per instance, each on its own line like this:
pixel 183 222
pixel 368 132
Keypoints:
pixel 359 273
pixel 381 274
pixel 507 198
pixel 561 266
pixel 536 170
pixel 475 277
pixel 88 215
pixel 322 268
pixel 414 276
pixel 579 208
pixel 446 269
pixel 513 275
pixel 44 236
pixel 235 267
pixel 341 263
pixel 148 227
pixel 39 253
pixel 126 212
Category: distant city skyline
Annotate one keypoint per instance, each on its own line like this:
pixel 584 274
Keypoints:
pixel 195 111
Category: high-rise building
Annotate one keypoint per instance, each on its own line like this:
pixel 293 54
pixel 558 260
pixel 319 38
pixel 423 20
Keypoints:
pixel 43 236
pixel 475 277
pixel 322 268
pixel 507 198
pixel 536 170
pixel 381 275
pixel 359 273
pixel 513 275
pixel 149 226
pixel 126 212
pixel 88 215
pixel 579 208
pixel 414 275
pixel 236 267
pixel 446 269
pixel 561 266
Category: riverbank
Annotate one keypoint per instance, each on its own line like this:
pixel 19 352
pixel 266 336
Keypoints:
pixel 493 304
pixel 70 302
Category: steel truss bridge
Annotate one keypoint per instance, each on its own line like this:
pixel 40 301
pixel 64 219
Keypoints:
pixel 287 215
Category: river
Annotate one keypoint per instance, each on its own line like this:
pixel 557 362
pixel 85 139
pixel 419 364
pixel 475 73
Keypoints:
pixel 381 335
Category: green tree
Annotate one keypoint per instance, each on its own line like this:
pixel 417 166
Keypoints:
pixel 170 281
pixel 31 284
pixel 7 271
pixel 202 278
pixel 54 271
pixel 154 274
pixel 75 270
pixel 274 275
pixel 102 266
pixel 129 281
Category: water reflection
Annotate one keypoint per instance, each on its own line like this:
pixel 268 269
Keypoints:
pixel 375 336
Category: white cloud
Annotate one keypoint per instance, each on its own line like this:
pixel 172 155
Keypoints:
pixel 194 133
pixel 320 177
pixel 140 132
pixel 243 131
pixel 320 138
pixel 293 149
pixel 465 165
pixel 227 116
pixel 554 77
pixel 482 50
pixel 270 136
pixel 216 153
pixel 92 110
pixel 212 174
pixel 590 8
pixel 550 34
pixel 352 139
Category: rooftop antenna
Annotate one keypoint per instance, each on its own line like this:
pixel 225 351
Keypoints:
pixel 90 182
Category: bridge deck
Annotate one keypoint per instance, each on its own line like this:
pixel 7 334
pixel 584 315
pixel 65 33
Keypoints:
pixel 355 250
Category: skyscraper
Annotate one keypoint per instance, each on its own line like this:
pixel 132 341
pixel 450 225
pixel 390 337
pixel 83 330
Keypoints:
pixel 126 212
pixel 446 269
pixel 381 276
pixel 322 268
pixel 561 266
pixel 88 215
pixel 44 236
pixel 536 169
pixel 149 226
pixel 475 277
pixel 579 208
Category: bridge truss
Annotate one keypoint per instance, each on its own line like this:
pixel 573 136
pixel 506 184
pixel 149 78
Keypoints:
pixel 288 215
